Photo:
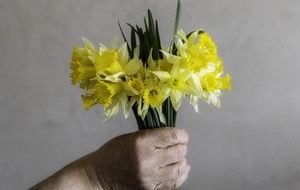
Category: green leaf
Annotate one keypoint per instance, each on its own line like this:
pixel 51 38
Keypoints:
pixel 133 43
pixel 160 54
pixel 177 18
pixel 122 31
pixel 129 49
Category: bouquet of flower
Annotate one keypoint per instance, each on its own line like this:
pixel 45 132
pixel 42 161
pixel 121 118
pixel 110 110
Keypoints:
pixel 148 79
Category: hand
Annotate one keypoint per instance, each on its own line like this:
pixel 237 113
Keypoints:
pixel 148 159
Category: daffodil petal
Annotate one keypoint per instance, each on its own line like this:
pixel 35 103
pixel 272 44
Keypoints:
pixel 162 75
pixel 115 77
pixel 88 43
pixel 123 55
pixel 182 34
pixel 215 100
pixel 136 52
pixel 114 42
pixel 181 47
pixel 151 62
pixel 193 37
pixel 132 66
pixel 172 58
pixel 176 98
pixel 160 114
pixel 111 110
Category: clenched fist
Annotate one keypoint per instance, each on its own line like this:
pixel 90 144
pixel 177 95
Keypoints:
pixel 148 159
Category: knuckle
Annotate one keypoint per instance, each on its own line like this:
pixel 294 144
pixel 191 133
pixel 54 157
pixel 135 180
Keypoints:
pixel 140 141
pixel 174 134
pixel 176 170
pixel 139 149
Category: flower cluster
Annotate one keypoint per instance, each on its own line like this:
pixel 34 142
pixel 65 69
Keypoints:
pixel 122 78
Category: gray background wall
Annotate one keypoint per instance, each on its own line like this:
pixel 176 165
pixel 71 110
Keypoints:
pixel 251 143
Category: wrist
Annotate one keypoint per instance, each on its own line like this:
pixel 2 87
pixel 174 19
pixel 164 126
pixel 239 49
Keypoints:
pixel 78 175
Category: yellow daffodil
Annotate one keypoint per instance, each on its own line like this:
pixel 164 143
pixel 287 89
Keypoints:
pixel 120 99
pixel 211 82
pixel 82 67
pixel 105 91
pixel 136 85
pixel 196 56
pixel 153 96
pixel 112 65
pixel 111 94
pixel 107 62
pixel 175 85
pixel 78 54
pixel 148 79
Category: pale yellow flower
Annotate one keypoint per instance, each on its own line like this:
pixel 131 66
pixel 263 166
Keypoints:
pixel 179 82
pixel 112 78
pixel 136 84
pixel 153 96
pixel 211 82
pixel 112 65
pixel 196 55
pixel 175 85
pixel 105 92
pixel 82 67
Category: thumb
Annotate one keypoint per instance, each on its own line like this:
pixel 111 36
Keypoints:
pixel 166 136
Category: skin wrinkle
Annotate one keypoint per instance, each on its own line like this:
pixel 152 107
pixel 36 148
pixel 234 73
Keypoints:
pixel 174 135
pixel 91 179
pixel 157 186
pixel 178 169
pixel 97 175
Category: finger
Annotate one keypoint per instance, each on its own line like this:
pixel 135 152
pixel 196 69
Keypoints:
pixel 172 171
pixel 174 183
pixel 166 136
pixel 170 155
pixel 181 179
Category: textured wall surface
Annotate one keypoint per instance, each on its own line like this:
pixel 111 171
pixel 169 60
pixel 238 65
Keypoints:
pixel 251 143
